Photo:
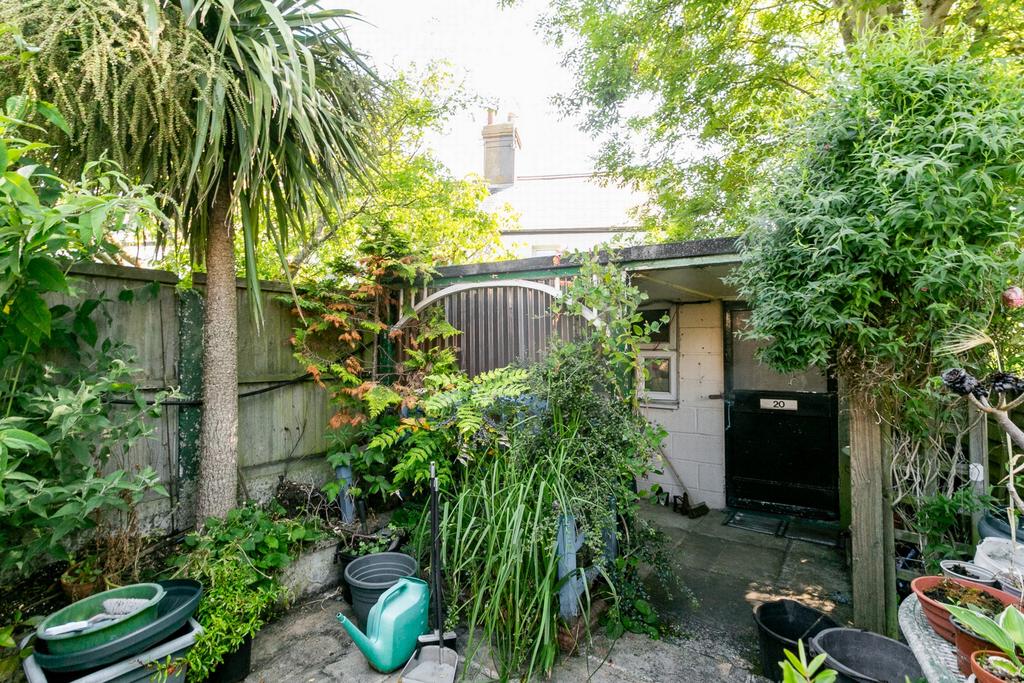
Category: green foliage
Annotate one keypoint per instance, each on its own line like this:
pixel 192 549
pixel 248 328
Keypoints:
pixel 11 634
pixel 60 443
pixel 238 559
pixel 1006 632
pixel 236 602
pixel 796 668
pixel 605 291
pixel 936 518
pixel 264 102
pixel 410 193
pixel 898 217
pixel 572 444
pixel 718 82
pixel 499 533
pixel 85 570
pixel 268 540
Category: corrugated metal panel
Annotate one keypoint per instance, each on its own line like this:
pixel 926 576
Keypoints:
pixel 502 325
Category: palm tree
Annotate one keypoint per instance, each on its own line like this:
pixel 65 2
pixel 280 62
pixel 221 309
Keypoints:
pixel 247 112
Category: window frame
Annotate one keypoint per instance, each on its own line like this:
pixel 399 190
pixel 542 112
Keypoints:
pixel 659 397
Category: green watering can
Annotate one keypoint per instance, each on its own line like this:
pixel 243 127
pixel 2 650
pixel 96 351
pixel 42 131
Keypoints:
pixel 394 624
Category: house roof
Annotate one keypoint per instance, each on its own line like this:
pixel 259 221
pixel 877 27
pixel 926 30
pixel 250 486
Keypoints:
pixel 571 202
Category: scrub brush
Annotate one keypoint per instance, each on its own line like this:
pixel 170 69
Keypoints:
pixel 112 609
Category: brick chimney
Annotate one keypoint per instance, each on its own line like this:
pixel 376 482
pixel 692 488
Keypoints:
pixel 501 140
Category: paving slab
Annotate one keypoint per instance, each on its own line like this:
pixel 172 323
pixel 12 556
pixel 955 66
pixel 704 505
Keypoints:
pixel 724 573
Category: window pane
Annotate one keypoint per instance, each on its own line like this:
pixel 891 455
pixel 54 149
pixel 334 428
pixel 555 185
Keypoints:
pixel 751 375
pixel 655 315
pixel 659 375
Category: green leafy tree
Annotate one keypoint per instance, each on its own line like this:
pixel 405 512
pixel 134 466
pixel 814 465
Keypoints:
pixel 897 219
pixel 691 96
pixel 251 112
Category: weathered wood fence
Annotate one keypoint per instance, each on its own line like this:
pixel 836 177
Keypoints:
pixel 280 432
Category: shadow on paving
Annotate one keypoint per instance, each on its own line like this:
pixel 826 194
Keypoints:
pixel 727 572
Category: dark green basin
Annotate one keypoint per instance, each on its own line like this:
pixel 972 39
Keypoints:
pixel 104 631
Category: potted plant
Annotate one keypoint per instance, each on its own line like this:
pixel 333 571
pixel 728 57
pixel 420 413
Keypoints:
pixel 238 561
pixel 937 593
pixel 967 571
pixel 82 578
pixel 1006 632
pixel 237 600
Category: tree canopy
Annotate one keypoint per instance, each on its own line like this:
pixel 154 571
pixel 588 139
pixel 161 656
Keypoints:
pixel 898 216
pixel 689 95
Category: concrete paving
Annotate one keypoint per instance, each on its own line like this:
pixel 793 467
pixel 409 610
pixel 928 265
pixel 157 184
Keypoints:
pixel 726 572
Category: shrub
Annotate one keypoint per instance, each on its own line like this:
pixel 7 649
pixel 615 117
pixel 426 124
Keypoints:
pixel 59 439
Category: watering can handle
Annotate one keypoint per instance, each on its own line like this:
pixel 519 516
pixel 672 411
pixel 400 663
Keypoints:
pixel 392 592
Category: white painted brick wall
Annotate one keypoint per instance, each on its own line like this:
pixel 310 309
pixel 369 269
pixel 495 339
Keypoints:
pixel 696 441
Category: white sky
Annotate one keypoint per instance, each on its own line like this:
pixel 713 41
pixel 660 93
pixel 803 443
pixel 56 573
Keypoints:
pixel 500 55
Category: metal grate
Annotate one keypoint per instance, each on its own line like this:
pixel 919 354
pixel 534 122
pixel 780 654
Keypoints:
pixel 753 521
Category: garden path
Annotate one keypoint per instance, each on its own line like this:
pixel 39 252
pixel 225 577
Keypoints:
pixel 727 570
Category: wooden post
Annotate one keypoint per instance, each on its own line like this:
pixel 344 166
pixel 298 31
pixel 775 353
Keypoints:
pixel 867 527
pixel 978 451
pixel 892 627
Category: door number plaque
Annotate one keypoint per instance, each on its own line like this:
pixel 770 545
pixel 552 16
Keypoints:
pixel 778 404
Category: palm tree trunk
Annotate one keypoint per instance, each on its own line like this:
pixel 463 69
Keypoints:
pixel 218 470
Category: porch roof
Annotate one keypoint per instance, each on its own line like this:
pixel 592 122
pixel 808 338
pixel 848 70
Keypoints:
pixel 673 271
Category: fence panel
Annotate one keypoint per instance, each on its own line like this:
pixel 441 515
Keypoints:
pixel 281 432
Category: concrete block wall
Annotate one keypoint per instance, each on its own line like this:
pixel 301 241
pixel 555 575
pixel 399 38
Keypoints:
pixel 695 445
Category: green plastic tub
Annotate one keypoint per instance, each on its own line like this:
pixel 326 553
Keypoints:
pixel 104 631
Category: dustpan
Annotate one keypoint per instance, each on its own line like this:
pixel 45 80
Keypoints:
pixel 433 663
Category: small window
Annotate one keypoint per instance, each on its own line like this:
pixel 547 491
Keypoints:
pixel 659 379
pixel 665 336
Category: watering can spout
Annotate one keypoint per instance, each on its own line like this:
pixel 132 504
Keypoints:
pixel 370 648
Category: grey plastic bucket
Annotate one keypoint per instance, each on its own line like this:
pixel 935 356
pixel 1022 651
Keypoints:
pixel 865 657
pixel 780 624
pixel 368 577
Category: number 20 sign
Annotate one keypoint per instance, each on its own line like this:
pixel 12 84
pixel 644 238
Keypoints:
pixel 778 404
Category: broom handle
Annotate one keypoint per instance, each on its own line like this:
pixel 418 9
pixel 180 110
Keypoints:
pixel 435 561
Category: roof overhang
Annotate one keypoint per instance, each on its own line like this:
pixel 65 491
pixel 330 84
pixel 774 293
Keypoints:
pixel 669 270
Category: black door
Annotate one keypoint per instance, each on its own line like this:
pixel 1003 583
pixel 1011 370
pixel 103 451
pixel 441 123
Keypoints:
pixel 781 447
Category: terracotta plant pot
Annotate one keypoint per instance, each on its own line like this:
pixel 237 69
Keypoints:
pixel 966 645
pixel 980 673
pixel 937 614
pixel 77 590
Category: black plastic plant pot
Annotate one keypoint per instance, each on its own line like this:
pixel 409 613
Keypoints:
pixel 991 525
pixel 236 665
pixel 864 657
pixel 780 624
pixel 369 576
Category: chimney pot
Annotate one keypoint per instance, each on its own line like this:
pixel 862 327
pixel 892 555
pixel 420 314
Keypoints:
pixel 501 140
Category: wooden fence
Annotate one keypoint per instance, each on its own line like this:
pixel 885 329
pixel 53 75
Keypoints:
pixel 280 432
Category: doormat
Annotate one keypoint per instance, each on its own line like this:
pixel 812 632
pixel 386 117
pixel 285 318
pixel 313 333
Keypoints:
pixel 822 533
pixel 754 521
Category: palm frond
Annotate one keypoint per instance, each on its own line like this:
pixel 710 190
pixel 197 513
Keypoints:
pixel 963 338
pixel 266 95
